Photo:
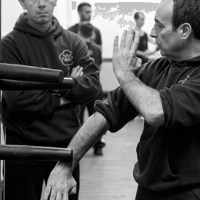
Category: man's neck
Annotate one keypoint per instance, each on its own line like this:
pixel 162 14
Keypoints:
pixel 43 28
pixel 83 21
pixel 189 53
pixel 137 28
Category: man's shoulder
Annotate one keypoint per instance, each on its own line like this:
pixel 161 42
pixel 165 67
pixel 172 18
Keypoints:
pixel 156 62
pixel 96 29
pixel 95 46
pixel 71 35
pixel 13 36
pixel 73 39
pixel 74 28
pixel 157 65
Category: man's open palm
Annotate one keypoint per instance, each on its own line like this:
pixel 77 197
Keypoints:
pixel 124 55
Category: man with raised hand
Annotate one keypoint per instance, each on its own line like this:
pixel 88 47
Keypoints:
pixel 166 93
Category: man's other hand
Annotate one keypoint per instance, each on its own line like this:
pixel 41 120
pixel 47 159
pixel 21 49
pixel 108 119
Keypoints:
pixel 77 71
pixel 60 184
pixel 124 56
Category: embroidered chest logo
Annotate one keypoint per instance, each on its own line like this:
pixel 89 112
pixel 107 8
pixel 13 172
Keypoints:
pixel 183 81
pixel 66 58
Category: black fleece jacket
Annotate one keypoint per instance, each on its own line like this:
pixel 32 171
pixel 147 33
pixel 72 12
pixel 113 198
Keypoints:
pixel 168 156
pixel 36 116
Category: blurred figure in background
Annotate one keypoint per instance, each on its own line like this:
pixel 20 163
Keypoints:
pixel 86 32
pixel 143 51
pixel 93 41
pixel 85 14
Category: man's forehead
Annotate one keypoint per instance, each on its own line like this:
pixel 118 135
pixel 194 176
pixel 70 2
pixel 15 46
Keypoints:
pixel 141 16
pixel 87 8
pixel 164 11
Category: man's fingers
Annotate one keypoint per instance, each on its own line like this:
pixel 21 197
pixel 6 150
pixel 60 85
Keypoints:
pixel 73 190
pixel 53 194
pixel 136 62
pixel 123 40
pixel 116 44
pixel 129 39
pixel 74 70
pixel 47 192
pixel 65 196
pixel 135 43
pixel 79 71
pixel 59 196
pixel 139 62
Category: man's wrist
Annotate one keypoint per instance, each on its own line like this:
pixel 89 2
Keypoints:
pixel 65 165
pixel 125 75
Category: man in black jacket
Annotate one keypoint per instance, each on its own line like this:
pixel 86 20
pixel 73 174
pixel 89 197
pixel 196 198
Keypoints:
pixel 85 15
pixel 166 92
pixel 43 117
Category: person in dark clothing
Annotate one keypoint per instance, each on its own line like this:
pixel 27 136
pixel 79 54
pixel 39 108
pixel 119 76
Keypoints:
pixel 43 117
pixel 166 93
pixel 85 31
pixel 85 14
pixel 142 51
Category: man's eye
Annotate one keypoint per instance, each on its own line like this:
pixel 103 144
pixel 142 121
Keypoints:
pixel 159 26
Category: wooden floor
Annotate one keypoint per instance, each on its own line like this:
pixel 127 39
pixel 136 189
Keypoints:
pixel 109 177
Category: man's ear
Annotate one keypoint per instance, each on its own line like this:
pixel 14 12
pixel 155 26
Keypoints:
pixel 22 4
pixel 185 30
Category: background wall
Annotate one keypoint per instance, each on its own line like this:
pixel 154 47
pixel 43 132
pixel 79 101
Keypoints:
pixel 110 28
pixel 67 15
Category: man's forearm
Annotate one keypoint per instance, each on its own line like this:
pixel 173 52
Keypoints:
pixel 87 136
pixel 145 99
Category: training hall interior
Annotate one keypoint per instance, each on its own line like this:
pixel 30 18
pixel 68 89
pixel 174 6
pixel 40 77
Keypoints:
pixel 106 174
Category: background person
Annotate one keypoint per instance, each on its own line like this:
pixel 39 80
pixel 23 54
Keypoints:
pixel 86 32
pixel 85 14
pixel 166 93
pixel 143 51
pixel 43 117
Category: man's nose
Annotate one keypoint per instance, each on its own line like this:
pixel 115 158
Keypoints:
pixel 41 3
pixel 153 32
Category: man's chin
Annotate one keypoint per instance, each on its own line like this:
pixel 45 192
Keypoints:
pixel 43 20
pixel 162 53
pixel 87 20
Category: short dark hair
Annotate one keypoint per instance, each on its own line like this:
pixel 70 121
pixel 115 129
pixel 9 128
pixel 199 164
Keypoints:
pixel 187 11
pixel 137 15
pixel 80 6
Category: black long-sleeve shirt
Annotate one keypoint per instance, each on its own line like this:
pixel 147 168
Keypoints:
pixel 168 156
pixel 37 115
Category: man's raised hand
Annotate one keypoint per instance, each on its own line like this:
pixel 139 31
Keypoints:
pixel 124 55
